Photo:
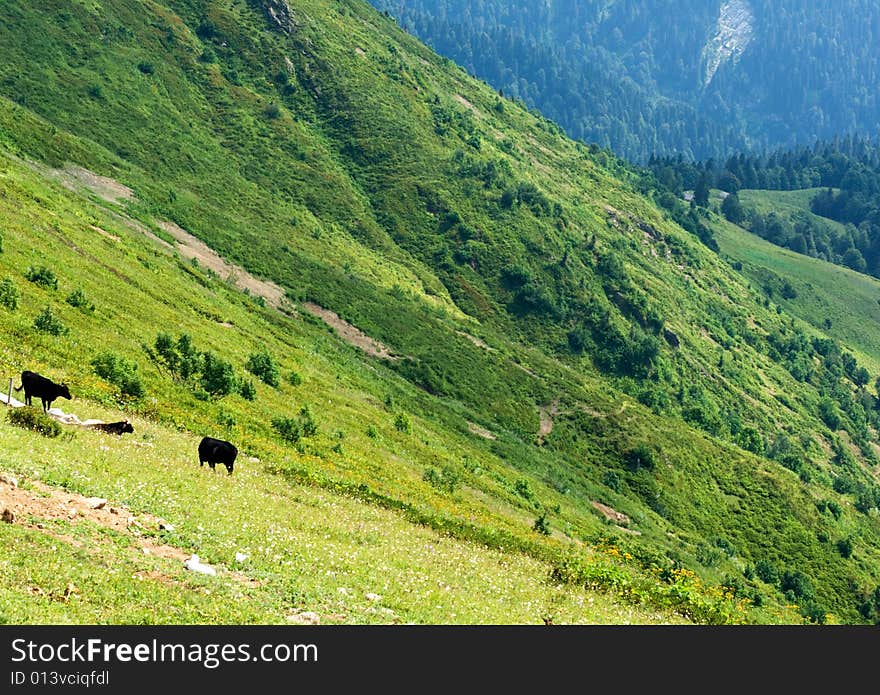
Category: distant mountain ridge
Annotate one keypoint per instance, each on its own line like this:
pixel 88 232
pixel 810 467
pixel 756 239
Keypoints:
pixel 655 77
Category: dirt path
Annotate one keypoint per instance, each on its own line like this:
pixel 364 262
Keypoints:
pixel 350 334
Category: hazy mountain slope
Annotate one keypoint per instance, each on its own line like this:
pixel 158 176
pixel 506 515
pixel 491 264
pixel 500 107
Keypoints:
pixel 648 78
pixel 525 285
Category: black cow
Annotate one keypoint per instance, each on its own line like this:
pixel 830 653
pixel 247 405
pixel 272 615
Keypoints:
pixel 119 428
pixel 41 387
pixel 213 451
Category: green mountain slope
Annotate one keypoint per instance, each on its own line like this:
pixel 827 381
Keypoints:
pixel 557 340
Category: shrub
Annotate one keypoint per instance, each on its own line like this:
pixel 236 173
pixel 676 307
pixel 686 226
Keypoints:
pixel 218 375
pixel 401 423
pixel 146 68
pixel 120 372
pixel 522 488
pixel 78 299
pixel 34 419
pixel 766 571
pixel 307 421
pixel 446 479
pixel 47 322
pixel 289 429
pixel 180 357
pixel 9 295
pixel 611 479
pixel 372 432
pixel 247 389
pixel 294 378
pixel 42 276
pixel 294 429
pixel 640 456
pixel 264 367
pixel 272 111
pixel 541 525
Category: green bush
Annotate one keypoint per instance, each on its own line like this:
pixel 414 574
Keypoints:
pixel 180 357
pixel 47 322
pixel 289 428
pixel 42 276
pixel 446 479
pixel 34 419
pixel 307 421
pixel 766 571
pixel 78 299
pixel 120 372
pixel 218 375
pixel 541 525
pixel 262 366
pixel 294 378
pixel 247 389
pixel 293 429
pixel 9 295
pixel 640 456
pixel 401 423
pixel 611 479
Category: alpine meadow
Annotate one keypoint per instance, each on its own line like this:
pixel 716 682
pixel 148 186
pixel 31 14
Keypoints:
pixel 476 371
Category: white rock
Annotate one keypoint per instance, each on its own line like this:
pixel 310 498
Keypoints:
pixel 305 618
pixel 165 526
pixel 194 564
pixel 373 597
pixel 8 479
pixel 241 557
pixel 96 502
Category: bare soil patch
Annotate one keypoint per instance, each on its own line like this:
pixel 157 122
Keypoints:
pixel 32 505
pixel 350 334
pixel 190 247
pixel 546 414
pixel 610 514
pixel 480 431
pixel 464 102
pixel 77 178
pixel 476 341
pixel 104 233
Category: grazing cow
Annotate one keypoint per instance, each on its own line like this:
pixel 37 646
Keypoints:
pixel 213 451
pixel 41 387
pixel 119 428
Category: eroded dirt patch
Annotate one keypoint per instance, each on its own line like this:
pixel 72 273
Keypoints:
pixel 476 341
pixel 546 414
pixel 350 334
pixel 480 431
pixel 77 178
pixel 190 247
pixel 34 503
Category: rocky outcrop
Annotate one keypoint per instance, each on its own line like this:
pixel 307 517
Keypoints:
pixel 280 14
pixel 735 30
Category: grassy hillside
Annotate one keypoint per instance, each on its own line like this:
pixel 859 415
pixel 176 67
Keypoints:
pixel 831 298
pixel 562 352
